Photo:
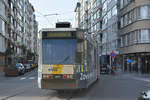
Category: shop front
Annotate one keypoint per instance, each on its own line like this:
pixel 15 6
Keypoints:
pixel 139 62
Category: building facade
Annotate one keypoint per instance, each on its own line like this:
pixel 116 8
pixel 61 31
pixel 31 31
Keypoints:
pixel 35 38
pixel 3 31
pixel 77 15
pixel 110 33
pixel 100 18
pixel 15 31
pixel 18 31
pixel 135 35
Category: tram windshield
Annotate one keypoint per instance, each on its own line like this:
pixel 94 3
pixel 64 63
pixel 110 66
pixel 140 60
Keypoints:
pixel 58 51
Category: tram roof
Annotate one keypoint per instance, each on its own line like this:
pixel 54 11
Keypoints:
pixel 58 29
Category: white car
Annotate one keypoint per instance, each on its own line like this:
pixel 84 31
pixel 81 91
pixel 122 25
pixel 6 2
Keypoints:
pixel 28 67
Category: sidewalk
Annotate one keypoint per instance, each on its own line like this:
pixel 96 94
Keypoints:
pixel 137 76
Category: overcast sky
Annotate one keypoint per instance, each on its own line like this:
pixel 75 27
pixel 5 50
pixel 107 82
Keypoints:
pixel 65 9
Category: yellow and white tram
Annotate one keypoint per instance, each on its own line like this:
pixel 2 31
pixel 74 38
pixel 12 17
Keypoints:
pixel 67 60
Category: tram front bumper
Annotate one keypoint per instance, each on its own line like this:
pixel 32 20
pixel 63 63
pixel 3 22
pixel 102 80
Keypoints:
pixel 59 84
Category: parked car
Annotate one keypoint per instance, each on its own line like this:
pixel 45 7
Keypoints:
pixel 31 64
pixel 144 95
pixel 20 68
pixel 11 70
pixel 27 67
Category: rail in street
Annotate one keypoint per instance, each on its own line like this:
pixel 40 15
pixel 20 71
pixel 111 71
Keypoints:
pixel 116 87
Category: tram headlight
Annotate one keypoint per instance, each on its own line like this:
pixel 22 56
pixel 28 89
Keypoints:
pixel 45 76
pixel 71 76
pixel 65 77
pixel 68 76
pixel 51 76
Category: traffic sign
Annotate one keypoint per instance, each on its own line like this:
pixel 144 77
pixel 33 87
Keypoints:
pixel 113 55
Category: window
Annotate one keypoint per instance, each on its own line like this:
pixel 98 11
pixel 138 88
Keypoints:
pixel 144 12
pixel 114 11
pixel 121 3
pixel 121 22
pixel 109 14
pixel 104 22
pixel 104 38
pixel 126 40
pixel 2 9
pixel 2 27
pixel 103 1
pixel 144 36
pixel 121 41
pixel 124 3
pixel 108 1
pixel 104 8
pixel 130 38
pixel 125 20
pixel 134 36
pixel 129 18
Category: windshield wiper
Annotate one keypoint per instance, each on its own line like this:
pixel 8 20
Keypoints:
pixel 64 60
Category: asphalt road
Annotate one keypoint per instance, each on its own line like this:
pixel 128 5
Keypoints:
pixel 118 87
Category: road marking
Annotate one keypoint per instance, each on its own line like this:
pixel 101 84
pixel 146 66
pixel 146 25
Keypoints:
pixel 141 79
pixel 31 78
pixel 23 78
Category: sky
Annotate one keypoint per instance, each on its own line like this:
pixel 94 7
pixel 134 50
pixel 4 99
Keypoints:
pixel 64 9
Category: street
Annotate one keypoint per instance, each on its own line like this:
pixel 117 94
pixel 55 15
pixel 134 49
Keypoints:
pixel 109 87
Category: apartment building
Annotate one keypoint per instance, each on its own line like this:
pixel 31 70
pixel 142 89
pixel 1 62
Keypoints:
pixel 18 31
pixel 110 34
pixel 135 35
pixel 100 18
pixel 35 38
pixel 15 30
pixel 3 31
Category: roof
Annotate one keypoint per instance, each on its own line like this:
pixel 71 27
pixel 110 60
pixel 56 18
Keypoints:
pixel 58 29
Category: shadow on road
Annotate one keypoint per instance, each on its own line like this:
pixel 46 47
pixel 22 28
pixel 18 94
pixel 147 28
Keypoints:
pixel 70 94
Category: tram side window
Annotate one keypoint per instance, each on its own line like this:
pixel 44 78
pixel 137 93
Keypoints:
pixel 79 53
pixel 78 57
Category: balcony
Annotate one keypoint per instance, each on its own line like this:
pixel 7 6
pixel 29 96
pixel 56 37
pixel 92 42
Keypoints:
pixel 6 3
pixel 86 6
pixel 7 36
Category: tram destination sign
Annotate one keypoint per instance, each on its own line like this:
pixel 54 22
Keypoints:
pixel 57 35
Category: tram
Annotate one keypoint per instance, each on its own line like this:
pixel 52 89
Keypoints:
pixel 67 59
